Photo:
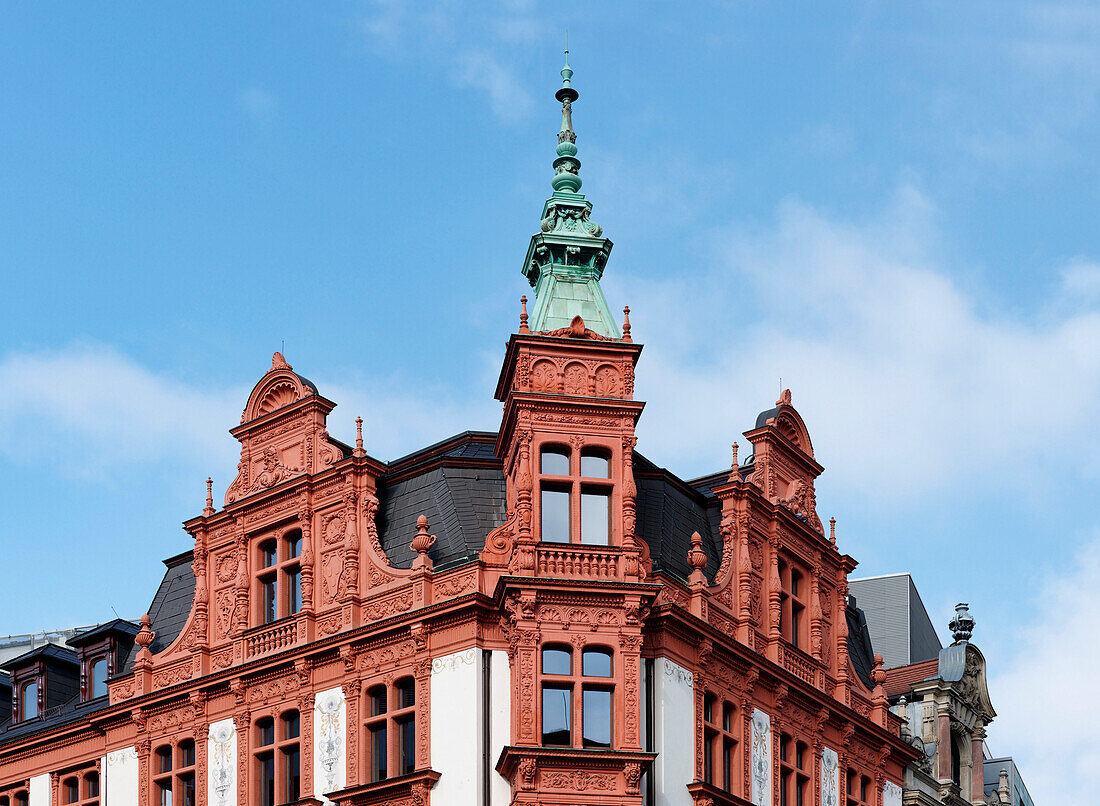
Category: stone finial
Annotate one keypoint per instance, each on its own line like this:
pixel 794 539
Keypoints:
pixel 208 510
pixel 784 398
pixel 359 438
pixel 878 675
pixel 962 626
pixel 278 362
pixel 697 561
pixel 832 531
pixel 523 315
pixel 144 637
pixel 1003 792
pixel 903 713
pixel 421 543
pixel 626 323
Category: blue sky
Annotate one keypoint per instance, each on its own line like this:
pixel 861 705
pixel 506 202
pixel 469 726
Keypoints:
pixel 891 209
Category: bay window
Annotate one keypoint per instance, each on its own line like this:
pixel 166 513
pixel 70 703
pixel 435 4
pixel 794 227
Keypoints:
pixel 575 495
pixel 581 697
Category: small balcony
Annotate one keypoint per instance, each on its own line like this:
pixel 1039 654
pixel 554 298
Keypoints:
pixel 578 561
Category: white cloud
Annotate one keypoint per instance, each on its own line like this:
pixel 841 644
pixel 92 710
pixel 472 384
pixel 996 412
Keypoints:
pixel 908 383
pixel 88 410
pixel 482 71
pixel 1046 717
pixel 1081 281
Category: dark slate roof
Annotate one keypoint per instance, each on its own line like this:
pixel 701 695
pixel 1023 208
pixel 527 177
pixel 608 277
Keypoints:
pixel 859 643
pixel 171 605
pixel 119 626
pixel 47 652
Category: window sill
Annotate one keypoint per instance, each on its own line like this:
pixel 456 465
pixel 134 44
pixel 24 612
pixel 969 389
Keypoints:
pixel 609 775
pixel 709 793
pixel 391 790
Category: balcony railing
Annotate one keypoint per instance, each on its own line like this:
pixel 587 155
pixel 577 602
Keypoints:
pixel 270 638
pixel 573 561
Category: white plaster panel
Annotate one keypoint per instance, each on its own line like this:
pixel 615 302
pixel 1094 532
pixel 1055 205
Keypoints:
pixel 456 736
pixel 500 723
pixel 891 794
pixel 330 740
pixel 830 777
pixel 221 778
pixel 39 793
pixel 761 758
pixel 673 733
pixel 120 778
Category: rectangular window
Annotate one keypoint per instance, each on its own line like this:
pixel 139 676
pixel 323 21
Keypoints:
pixel 267 779
pixel 294 583
pixel 555 515
pixel 708 757
pixel 407 729
pixel 269 600
pixel 187 785
pixel 292 766
pixel 595 517
pixel 597 717
pixel 164 797
pixel 557 709
pixel 378 750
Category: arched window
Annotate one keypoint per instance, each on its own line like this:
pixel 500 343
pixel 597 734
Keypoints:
pixel 20 798
pixel 956 761
pixel 719 741
pixel 562 708
pixel 174 774
pixel 81 789
pixel 859 789
pixel 279 580
pixel 98 677
pixel 794 772
pixel 792 604
pixel 391 729
pixel 28 702
pixel 575 495
pixel 278 759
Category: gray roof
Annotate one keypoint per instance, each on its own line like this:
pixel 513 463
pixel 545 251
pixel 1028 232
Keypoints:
pixel 900 628
pixel 170 607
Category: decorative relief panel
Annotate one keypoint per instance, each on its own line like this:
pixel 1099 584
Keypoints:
pixel 330 739
pixel 760 759
pixel 830 777
pixel 221 784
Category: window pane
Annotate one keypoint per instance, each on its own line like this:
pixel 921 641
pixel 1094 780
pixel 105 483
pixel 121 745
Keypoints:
pixel 291 725
pixel 99 678
pixel 377 700
pixel 30 701
pixel 72 790
pixel 265 732
pixel 164 759
pixel 557 661
pixel 708 755
pixel 595 520
pixel 727 764
pixel 597 717
pixel 267 554
pixel 294 545
pixel 267 780
pixel 269 600
pixel 91 785
pixel 187 753
pixel 406 692
pixel 292 767
pixel 595 466
pixel 294 583
pixel 187 785
pixel 557 707
pixel 596 663
pixel 555 516
pixel 408 746
pixel 378 746
pixel 555 462
pixel 164 789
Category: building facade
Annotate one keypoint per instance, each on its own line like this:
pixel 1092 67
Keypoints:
pixel 538 615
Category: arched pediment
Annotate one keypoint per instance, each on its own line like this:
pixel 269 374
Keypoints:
pixel 280 387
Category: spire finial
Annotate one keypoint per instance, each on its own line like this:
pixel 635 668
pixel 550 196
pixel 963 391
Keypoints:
pixel 523 315
pixel 832 531
pixel 567 167
pixel 208 510
pixel 359 438
pixel 626 323
pixel 735 465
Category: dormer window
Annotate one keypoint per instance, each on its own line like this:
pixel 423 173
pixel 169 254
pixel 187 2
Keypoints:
pixel 28 700
pixel 101 652
pixel 98 677
pixel 280 577
pixel 575 495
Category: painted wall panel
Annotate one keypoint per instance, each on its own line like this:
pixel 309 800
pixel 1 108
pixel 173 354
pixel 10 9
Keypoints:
pixel 891 794
pixel 830 777
pixel 456 737
pixel 39 792
pixel 330 738
pixel 761 758
pixel 120 778
pixel 500 723
pixel 221 777
pixel 673 733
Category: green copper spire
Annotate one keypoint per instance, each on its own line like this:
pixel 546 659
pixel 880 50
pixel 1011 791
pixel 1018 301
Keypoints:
pixel 566 260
